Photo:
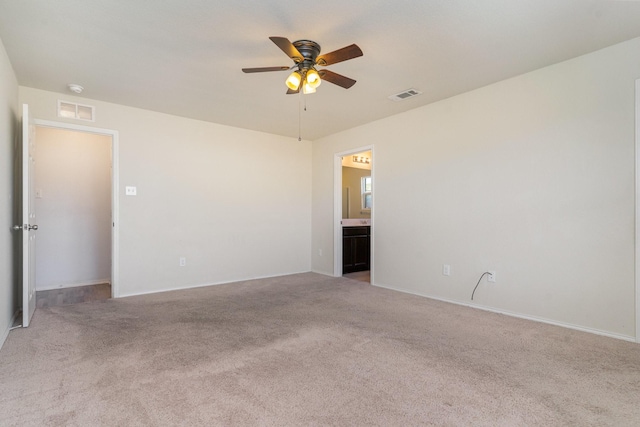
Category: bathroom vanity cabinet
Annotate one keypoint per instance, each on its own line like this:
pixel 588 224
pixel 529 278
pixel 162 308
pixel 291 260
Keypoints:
pixel 356 252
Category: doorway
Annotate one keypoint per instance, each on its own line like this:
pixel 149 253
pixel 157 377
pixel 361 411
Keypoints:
pixel 353 214
pixel 75 182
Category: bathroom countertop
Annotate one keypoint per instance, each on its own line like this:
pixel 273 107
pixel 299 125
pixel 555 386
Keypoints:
pixel 356 222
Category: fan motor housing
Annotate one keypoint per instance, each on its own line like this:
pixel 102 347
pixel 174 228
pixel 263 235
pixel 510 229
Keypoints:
pixel 309 50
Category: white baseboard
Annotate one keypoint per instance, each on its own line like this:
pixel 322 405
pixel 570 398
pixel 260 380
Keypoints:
pixel 324 273
pixel 5 334
pixel 518 315
pixel 203 285
pixel 72 285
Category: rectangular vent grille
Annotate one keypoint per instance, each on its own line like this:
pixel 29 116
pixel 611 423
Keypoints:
pixel 405 94
pixel 71 110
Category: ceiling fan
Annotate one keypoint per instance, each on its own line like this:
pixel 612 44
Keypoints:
pixel 306 56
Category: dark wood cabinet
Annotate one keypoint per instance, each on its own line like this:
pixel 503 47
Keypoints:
pixel 356 243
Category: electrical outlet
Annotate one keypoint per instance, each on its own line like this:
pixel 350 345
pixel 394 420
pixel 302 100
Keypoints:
pixel 130 191
pixel 183 261
pixel 446 269
pixel 491 277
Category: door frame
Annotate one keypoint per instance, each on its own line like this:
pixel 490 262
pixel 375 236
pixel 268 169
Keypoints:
pixel 115 210
pixel 637 213
pixel 337 209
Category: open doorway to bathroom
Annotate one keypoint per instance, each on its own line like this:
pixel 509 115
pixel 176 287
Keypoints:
pixel 357 203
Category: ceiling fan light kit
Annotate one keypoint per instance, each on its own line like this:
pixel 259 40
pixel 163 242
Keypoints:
pixel 293 81
pixel 306 56
pixel 313 78
pixel 307 88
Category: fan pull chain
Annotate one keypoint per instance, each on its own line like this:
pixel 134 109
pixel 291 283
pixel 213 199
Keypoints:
pixel 300 98
pixel 300 116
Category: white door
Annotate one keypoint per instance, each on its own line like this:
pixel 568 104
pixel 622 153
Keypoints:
pixel 29 226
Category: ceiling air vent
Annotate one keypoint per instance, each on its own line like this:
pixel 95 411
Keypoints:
pixel 71 110
pixel 405 94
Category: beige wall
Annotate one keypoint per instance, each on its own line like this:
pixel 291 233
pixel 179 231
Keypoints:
pixel 73 179
pixel 351 179
pixel 532 177
pixel 235 203
pixel 8 134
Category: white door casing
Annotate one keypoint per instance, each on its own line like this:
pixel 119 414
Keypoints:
pixel 337 211
pixel 637 225
pixel 115 290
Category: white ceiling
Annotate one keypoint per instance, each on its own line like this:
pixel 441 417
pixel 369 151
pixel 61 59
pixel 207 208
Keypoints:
pixel 184 57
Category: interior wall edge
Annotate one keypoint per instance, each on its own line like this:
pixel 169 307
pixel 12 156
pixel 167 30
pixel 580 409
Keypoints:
pixel 9 240
pixel 637 212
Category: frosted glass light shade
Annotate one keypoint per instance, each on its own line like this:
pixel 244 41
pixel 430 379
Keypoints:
pixel 293 81
pixel 307 88
pixel 313 78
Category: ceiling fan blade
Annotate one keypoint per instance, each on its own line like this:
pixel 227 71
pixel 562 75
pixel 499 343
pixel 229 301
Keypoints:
pixel 263 69
pixel 347 52
pixel 287 47
pixel 336 79
pixel 291 92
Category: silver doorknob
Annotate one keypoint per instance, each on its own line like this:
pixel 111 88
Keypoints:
pixel 33 227
pixel 16 227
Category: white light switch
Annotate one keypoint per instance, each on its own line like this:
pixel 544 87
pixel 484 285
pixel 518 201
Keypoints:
pixel 446 269
pixel 130 191
pixel 38 193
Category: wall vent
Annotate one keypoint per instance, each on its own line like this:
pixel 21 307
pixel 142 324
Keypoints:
pixel 405 94
pixel 71 110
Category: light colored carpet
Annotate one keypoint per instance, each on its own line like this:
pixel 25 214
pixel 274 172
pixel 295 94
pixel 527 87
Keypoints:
pixel 308 349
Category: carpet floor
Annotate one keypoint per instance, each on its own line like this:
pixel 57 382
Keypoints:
pixel 311 350
pixel 74 295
